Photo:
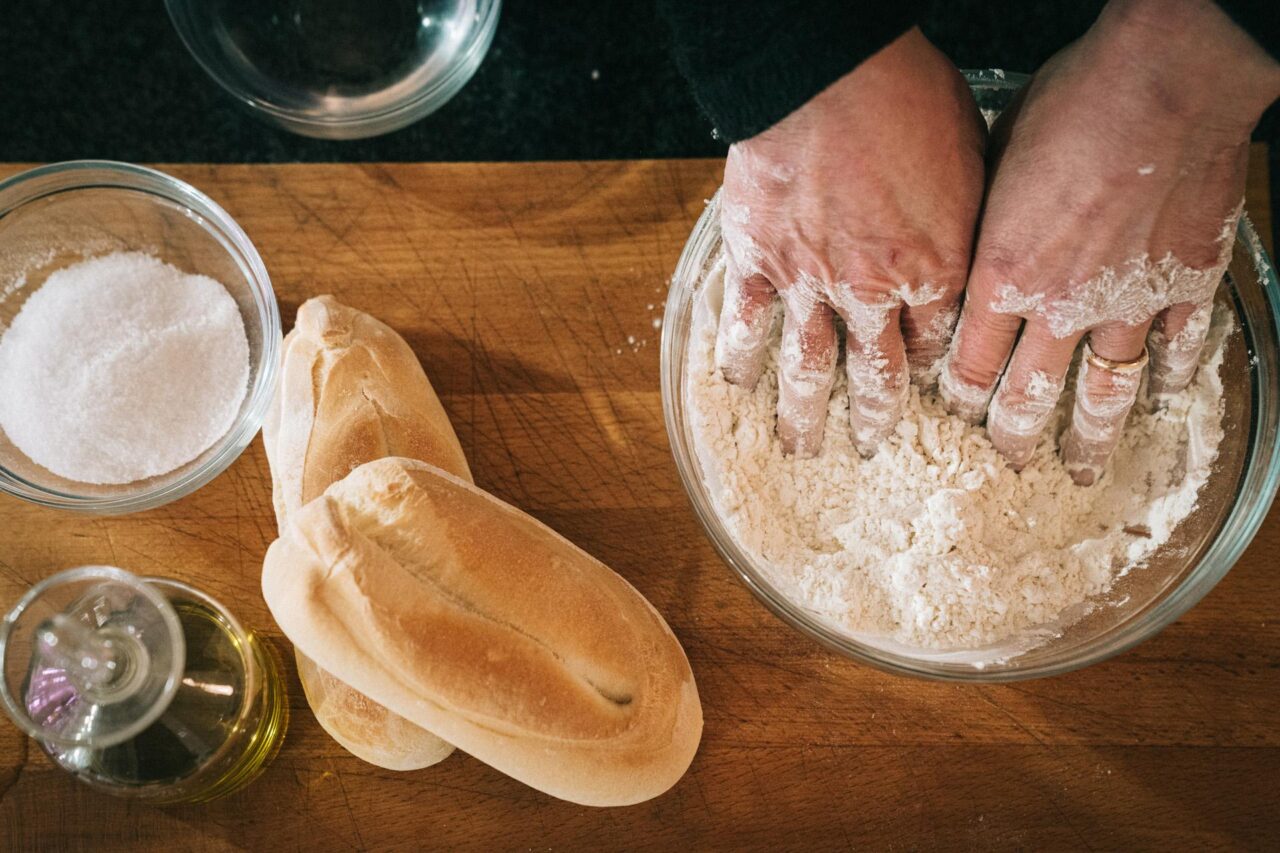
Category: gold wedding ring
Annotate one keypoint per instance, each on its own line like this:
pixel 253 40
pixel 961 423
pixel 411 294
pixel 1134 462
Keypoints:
pixel 1115 366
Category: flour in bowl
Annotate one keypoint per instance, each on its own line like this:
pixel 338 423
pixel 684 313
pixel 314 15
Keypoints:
pixel 935 543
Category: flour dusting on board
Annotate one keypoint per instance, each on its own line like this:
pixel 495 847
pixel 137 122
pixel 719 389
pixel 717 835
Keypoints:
pixel 935 543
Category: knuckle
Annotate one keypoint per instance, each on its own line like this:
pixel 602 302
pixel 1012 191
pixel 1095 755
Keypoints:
pixel 998 264
pixel 975 375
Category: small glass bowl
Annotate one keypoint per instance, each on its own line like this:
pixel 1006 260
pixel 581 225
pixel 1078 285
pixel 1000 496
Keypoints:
pixel 57 215
pixel 1231 506
pixel 338 69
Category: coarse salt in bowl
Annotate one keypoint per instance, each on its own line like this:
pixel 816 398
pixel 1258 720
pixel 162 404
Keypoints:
pixel 1230 505
pixel 58 217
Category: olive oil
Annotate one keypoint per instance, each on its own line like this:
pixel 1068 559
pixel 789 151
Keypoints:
pixel 222 726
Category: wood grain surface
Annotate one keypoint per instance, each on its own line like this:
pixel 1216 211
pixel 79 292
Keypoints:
pixel 529 292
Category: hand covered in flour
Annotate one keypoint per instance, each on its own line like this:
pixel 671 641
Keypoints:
pixel 860 204
pixel 1116 183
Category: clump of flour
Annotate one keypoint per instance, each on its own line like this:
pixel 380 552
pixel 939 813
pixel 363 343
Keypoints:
pixel 935 542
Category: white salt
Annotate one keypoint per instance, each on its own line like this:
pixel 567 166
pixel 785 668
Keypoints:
pixel 121 368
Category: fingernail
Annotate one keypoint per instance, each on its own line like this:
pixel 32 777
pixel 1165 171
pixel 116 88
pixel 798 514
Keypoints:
pixel 1171 370
pixel 962 399
pixel 1171 376
pixel 1084 475
pixel 740 349
pixel 799 446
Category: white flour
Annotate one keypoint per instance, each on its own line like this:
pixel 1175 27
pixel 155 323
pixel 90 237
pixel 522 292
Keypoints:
pixel 1138 288
pixel 935 543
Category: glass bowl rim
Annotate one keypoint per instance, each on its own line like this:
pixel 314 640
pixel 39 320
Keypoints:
pixel 421 102
pixel 1242 520
pixel 43 181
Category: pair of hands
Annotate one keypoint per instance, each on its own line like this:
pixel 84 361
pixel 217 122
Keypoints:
pixel 1111 188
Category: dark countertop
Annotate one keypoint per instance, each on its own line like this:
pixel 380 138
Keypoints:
pixel 111 79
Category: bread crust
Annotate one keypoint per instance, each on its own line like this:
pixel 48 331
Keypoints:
pixel 471 619
pixel 351 391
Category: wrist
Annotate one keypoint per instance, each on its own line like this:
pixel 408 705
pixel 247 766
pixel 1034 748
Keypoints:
pixel 907 78
pixel 1192 57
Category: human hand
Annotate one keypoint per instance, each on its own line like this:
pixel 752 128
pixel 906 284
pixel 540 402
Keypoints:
pixel 861 203
pixel 1115 189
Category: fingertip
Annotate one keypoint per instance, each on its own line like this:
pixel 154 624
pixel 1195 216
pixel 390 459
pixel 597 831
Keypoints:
pixel 806 373
pixel 1174 344
pixel 965 401
pixel 879 381
pixel 1106 389
pixel 874 413
pixel 742 372
pixel 1083 475
pixel 979 351
pixel 802 414
pixel 867 437
pixel 926 331
pixel 1028 394
pixel 746 320
pixel 799 440
pixel 1017 449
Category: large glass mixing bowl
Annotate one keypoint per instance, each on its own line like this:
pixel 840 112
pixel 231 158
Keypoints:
pixel 338 69
pixel 1231 505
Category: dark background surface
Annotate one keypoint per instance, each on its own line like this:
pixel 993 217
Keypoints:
pixel 111 79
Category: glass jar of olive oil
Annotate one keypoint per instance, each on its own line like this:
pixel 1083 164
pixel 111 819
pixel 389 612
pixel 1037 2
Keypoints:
pixel 142 687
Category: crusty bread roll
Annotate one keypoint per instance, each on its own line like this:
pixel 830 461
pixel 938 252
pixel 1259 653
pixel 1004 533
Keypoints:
pixel 475 621
pixel 364 728
pixel 352 391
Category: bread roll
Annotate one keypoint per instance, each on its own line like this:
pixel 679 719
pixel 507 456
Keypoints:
pixel 475 621
pixel 352 391
pixel 364 728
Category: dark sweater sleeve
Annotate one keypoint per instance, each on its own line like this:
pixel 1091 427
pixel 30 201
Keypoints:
pixel 1260 19
pixel 751 63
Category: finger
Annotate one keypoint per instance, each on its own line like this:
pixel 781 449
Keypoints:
pixel 1106 387
pixel 876 361
pixel 927 323
pixel 806 372
pixel 1029 392
pixel 1174 344
pixel 977 355
pixel 746 318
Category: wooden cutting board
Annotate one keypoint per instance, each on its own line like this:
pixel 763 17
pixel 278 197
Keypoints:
pixel 530 292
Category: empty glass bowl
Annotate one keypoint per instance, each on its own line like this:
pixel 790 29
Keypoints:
pixel 338 69
pixel 1230 509
pixel 58 215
